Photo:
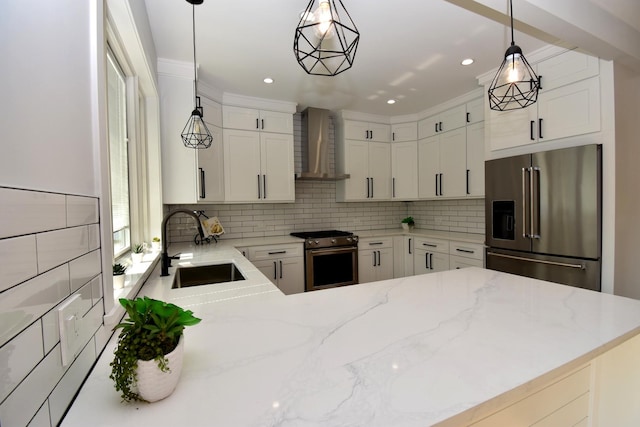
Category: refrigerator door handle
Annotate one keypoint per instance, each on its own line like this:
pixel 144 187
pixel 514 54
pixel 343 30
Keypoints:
pixel 535 202
pixel 539 261
pixel 524 203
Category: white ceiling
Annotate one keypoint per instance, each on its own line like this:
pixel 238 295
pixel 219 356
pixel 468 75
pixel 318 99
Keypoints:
pixel 409 50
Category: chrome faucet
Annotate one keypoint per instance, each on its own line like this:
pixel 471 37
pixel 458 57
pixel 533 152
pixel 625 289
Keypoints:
pixel 165 259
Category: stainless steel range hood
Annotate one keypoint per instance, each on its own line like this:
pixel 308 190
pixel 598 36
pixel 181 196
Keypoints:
pixel 315 147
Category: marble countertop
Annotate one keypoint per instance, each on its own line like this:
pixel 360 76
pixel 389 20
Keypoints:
pixel 404 352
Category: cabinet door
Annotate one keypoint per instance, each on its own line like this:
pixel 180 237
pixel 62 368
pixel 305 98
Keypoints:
pixel 569 110
pixel 569 67
pixel 291 275
pixel 355 130
pixel 379 132
pixel 380 170
pixel 453 163
pixel 428 127
pixel 475 111
pixel 278 182
pixel 439 262
pixel 367 260
pixel 404 132
pixel 240 118
pixel 475 160
pixel 273 121
pixel 512 128
pixel 268 267
pixel 428 167
pixel 409 244
pixel 242 165
pixel 453 118
pixel 356 156
pixel 421 262
pixel 384 269
pixel 211 168
pixel 404 167
pixel 457 262
pixel 211 112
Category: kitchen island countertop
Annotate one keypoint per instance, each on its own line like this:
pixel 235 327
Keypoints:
pixel 413 351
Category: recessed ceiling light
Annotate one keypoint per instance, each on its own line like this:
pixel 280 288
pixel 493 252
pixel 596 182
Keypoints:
pixel 467 61
pixel 268 80
pixel 391 101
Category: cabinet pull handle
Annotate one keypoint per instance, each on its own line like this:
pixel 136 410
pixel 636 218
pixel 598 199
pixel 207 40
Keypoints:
pixel 441 184
pixel 202 189
pixel 531 130
pixel 275 271
pixel 468 117
pixel 393 136
pixel 375 243
pixel 437 185
pixel 393 187
pixel 262 121
pixel 409 245
pixel 257 123
pixel 468 182
pixel 436 126
pixel 466 251
pixel 374 258
pixel 540 129
pixel 259 188
pixel 539 83
pixel 371 133
pixel 440 126
pixel 431 261
pixel 429 245
pixel 372 188
pixel 264 186
pixel 277 252
pixel 281 269
pixel 368 188
pixel 426 261
pixel 379 259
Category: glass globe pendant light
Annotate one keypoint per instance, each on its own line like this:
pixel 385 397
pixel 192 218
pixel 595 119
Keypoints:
pixel 195 133
pixel 326 38
pixel 515 85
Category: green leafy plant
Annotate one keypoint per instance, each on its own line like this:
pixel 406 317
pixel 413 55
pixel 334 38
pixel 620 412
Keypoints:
pixel 156 239
pixel 408 220
pixel 118 269
pixel 151 331
pixel 138 249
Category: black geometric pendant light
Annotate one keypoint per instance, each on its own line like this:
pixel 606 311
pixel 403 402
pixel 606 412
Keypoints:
pixel 195 133
pixel 326 39
pixel 515 84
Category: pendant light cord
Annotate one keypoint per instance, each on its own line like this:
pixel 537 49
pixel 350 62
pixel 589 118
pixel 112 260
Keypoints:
pixel 195 75
pixel 510 12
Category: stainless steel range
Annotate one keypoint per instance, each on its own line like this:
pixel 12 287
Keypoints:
pixel 331 259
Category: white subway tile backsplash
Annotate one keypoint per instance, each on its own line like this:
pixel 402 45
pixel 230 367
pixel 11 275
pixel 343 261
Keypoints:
pixel 50 329
pixel 94 236
pixel 25 212
pixel 41 419
pixel 81 210
pixel 60 246
pixel 18 357
pixel 18 260
pixel 96 289
pixel 65 390
pixel 83 269
pixel 28 397
pixel 23 304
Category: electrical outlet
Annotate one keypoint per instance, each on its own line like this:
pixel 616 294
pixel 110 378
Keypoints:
pixel 70 322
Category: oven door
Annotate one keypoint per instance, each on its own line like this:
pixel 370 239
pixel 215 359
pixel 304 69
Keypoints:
pixel 331 267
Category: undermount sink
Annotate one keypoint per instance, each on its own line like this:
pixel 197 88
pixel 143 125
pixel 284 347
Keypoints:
pixel 206 275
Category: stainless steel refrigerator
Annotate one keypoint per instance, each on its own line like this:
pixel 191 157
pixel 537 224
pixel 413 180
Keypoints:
pixel 544 215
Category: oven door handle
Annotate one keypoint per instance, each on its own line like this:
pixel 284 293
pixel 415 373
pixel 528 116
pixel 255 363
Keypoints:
pixel 328 251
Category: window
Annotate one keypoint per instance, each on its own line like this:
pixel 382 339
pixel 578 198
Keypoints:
pixel 118 156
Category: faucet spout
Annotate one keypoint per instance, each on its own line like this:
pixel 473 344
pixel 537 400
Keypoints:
pixel 165 260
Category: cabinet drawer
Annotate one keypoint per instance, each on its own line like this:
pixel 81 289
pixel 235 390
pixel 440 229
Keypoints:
pixel 375 243
pixel 467 250
pixel 432 245
pixel 257 253
pixel 456 262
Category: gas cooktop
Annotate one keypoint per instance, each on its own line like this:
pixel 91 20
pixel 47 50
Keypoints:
pixel 321 234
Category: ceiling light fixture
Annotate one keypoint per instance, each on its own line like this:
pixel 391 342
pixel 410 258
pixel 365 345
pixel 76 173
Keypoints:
pixel 515 84
pixel 195 133
pixel 326 39
pixel 391 101
pixel 467 61
pixel 268 80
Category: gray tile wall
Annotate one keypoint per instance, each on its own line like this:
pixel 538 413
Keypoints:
pixel 316 208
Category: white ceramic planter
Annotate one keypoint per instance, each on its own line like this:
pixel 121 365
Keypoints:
pixel 155 246
pixel 406 226
pixel 118 281
pixel 153 384
pixel 136 258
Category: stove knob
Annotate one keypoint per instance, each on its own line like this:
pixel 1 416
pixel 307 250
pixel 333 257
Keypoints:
pixel 333 240
pixel 355 239
pixel 349 239
pixel 316 242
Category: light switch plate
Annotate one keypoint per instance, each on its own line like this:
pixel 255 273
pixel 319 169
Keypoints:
pixel 70 322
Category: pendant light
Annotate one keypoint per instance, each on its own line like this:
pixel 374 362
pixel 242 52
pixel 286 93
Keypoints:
pixel 196 133
pixel 326 38
pixel 515 84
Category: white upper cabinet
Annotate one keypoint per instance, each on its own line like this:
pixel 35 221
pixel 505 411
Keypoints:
pixel 404 170
pixel 367 131
pixel 475 160
pixel 404 132
pixel 257 120
pixel 445 121
pixel 442 167
pixel 568 105
pixel 210 179
pixel 211 111
pixel 475 111
pixel 369 167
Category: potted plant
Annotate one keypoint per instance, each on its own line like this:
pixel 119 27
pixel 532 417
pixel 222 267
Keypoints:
pixel 118 275
pixel 148 357
pixel 137 251
pixel 408 223
pixel 155 244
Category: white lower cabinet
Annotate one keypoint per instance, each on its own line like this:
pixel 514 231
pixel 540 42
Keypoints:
pixel 465 255
pixel 430 255
pixel 282 264
pixel 375 259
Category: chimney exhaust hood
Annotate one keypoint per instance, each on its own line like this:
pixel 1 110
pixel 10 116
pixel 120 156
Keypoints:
pixel 315 147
